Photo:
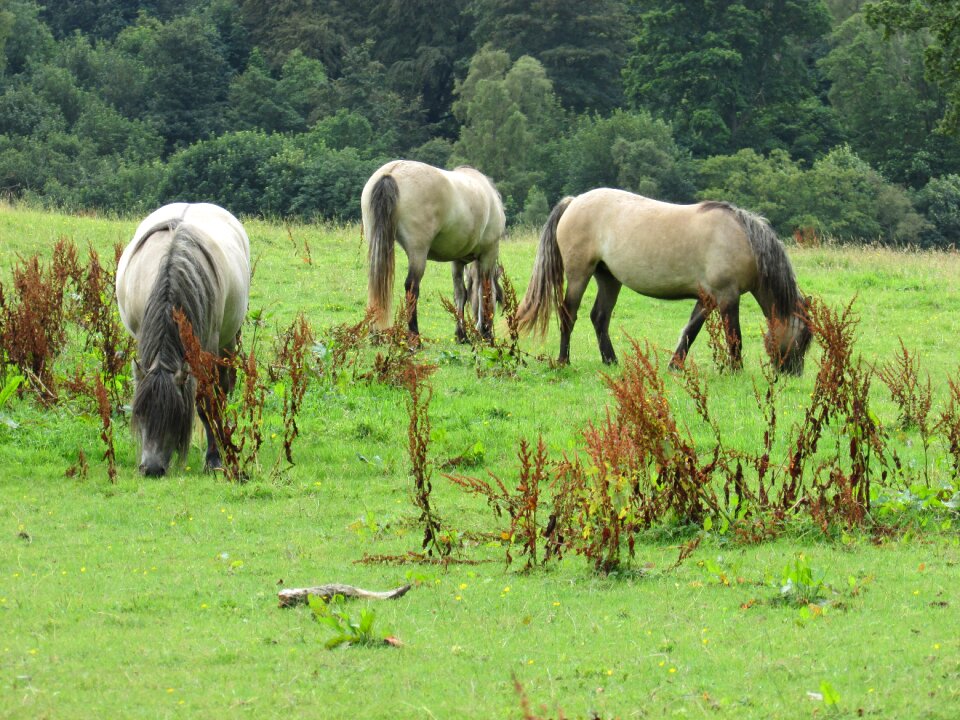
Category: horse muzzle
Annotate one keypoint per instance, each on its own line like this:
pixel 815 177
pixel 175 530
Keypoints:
pixel 153 469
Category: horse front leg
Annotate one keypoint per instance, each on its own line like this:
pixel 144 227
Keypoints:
pixel 459 298
pixel 608 289
pixel 731 325
pixel 688 335
pixel 210 409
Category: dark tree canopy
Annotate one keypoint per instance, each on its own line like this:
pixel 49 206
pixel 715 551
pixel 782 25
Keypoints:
pixel 824 114
pixel 938 23
pixel 726 72
pixel 582 45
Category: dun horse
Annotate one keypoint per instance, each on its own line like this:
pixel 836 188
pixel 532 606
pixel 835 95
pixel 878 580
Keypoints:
pixel 711 250
pixel 195 258
pixel 448 216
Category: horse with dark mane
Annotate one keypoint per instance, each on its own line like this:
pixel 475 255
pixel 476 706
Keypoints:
pixel 709 251
pixel 194 258
pixel 451 216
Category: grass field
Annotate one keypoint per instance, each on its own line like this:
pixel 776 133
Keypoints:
pixel 157 598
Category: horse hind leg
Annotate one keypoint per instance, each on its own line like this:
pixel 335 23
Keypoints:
pixel 608 289
pixel 459 298
pixel 412 288
pixel 689 334
pixel 568 313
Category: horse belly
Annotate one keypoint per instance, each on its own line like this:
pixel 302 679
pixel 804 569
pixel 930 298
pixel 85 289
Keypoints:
pixel 655 269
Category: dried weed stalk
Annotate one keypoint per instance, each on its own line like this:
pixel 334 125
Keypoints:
pixel 290 352
pixel 237 428
pixel 520 505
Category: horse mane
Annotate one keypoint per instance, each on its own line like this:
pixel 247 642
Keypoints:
pixel 775 272
pixel 187 280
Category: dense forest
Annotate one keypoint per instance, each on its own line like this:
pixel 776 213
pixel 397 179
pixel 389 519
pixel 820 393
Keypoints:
pixel 834 119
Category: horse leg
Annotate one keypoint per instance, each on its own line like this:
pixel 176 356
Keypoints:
pixel 608 289
pixel 731 325
pixel 412 287
pixel 568 313
pixel 688 335
pixel 487 298
pixel 459 298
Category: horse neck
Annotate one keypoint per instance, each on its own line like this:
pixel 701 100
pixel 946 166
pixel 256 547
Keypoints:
pixel 180 285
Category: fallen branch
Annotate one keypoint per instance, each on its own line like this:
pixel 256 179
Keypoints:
pixel 289 597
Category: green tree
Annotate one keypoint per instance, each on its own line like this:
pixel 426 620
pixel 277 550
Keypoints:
pixel 938 24
pixel 188 81
pixel 229 170
pixel 24 36
pixel 580 44
pixel 321 29
pixel 887 109
pixel 719 70
pixel 305 87
pixel 309 180
pixel 840 196
pixel 629 150
pixel 105 18
pixel 509 117
pixel 939 202
pixel 422 43
pixel 364 89
pixel 763 184
pixel 257 101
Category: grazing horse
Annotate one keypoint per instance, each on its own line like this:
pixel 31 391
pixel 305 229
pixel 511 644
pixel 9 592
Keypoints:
pixel 709 251
pixel 451 216
pixel 194 258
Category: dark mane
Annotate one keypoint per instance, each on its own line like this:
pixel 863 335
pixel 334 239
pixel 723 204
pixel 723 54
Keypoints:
pixel 776 277
pixel 187 280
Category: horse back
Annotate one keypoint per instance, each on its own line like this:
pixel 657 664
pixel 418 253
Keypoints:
pixel 656 248
pixel 224 251
pixel 441 214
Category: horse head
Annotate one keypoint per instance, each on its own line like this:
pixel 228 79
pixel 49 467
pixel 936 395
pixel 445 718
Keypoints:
pixel 788 340
pixel 162 415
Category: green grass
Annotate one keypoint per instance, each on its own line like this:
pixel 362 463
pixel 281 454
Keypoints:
pixel 157 598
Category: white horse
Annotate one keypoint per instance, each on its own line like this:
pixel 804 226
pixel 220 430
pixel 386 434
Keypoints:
pixel 195 258
pixel 448 216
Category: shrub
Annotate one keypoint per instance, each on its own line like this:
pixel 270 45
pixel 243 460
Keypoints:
pixel 939 202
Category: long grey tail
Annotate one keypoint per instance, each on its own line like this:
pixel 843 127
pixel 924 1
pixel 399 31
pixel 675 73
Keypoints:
pixel 383 235
pixel 545 290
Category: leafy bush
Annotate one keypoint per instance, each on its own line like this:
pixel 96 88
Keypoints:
pixel 840 196
pixel 939 202
pixel 230 170
pixel 308 180
pixel 629 150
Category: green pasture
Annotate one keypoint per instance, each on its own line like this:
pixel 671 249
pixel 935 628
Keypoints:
pixel 157 598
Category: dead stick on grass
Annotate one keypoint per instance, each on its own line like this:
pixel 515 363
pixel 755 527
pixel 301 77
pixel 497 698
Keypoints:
pixel 289 597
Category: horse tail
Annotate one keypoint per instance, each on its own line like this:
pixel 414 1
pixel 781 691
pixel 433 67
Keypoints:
pixel 546 284
pixel 383 234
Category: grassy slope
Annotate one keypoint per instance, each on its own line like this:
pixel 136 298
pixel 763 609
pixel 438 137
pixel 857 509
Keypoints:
pixel 156 599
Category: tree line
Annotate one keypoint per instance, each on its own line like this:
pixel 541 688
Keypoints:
pixel 835 119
